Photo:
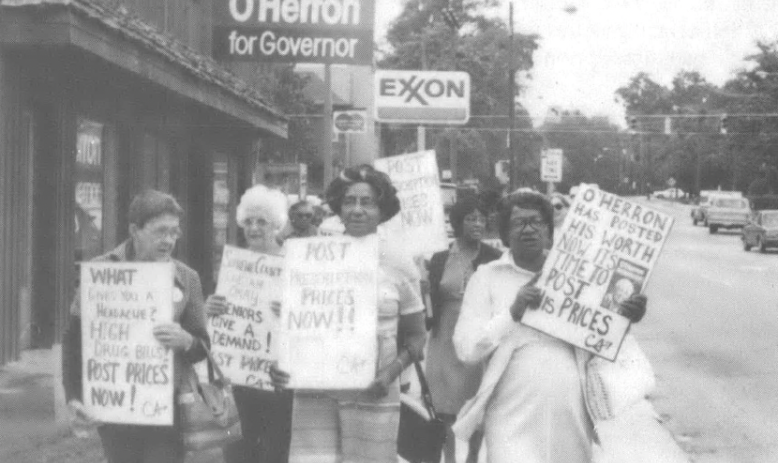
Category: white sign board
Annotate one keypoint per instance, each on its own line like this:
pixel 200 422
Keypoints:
pixel 127 374
pixel 420 225
pixel 329 318
pixel 604 252
pixel 551 165
pixel 242 339
pixel 422 97
pixel 351 121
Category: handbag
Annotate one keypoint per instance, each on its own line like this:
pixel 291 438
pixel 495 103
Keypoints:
pixel 208 416
pixel 421 435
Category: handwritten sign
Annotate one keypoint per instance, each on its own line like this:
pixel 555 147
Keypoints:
pixel 242 339
pixel 603 253
pixel 421 224
pixel 329 316
pixel 127 373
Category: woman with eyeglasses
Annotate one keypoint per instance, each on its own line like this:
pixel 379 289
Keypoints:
pixel 530 404
pixel 265 416
pixel 154 229
pixel 360 426
pixel 451 381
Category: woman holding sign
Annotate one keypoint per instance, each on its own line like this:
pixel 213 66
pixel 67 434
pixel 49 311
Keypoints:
pixel 154 219
pixel 361 426
pixel 265 416
pixel 452 381
pixel 531 402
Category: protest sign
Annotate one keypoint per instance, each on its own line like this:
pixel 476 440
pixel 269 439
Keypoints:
pixel 604 252
pixel 327 336
pixel 242 339
pixel 127 373
pixel 421 225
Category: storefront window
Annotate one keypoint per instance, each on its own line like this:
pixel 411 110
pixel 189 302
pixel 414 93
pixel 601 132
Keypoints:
pixel 89 189
pixel 221 211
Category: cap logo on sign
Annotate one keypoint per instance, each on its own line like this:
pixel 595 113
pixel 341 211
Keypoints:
pixel 411 88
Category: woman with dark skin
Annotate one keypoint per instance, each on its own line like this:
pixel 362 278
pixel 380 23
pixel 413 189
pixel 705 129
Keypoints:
pixel 361 426
pixel 451 381
pixel 531 403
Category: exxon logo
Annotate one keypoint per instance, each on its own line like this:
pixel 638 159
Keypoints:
pixel 421 89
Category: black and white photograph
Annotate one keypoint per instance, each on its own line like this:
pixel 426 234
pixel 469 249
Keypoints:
pixel 388 231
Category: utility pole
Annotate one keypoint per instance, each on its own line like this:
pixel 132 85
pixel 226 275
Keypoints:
pixel 511 103
pixel 327 152
pixel 421 131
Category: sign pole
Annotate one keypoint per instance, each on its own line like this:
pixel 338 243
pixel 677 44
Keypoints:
pixel 327 139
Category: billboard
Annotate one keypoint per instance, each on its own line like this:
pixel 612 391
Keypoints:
pixel 294 31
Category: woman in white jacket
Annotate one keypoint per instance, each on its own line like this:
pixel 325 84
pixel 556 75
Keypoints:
pixel 531 402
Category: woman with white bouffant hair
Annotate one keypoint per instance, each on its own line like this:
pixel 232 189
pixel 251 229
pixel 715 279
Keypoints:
pixel 265 416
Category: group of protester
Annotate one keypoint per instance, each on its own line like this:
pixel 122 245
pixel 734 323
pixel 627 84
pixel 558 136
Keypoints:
pixel 491 377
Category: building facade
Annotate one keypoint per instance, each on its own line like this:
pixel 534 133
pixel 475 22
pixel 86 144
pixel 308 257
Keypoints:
pixel 100 99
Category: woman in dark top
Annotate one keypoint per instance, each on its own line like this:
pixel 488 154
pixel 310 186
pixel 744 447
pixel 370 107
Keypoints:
pixel 154 229
pixel 451 381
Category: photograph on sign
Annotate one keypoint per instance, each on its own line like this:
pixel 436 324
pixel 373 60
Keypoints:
pixel 242 339
pixel 294 31
pixel 127 374
pixel 329 319
pixel 422 97
pixel 350 121
pixel 604 253
pixel 420 226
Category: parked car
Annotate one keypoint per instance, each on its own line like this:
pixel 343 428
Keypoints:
pixel 670 193
pixel 706 196
pixel 727 212
pixel 761 231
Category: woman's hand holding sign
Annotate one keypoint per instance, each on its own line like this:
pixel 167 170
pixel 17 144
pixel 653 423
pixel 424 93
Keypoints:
pixel 634 307
pixel 528 298
pixel 216 305
pixel 172 336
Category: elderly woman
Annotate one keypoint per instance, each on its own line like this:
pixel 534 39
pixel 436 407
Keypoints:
pixel 154 229
pixel 451 381
pixel 265 416
pixel 361 426
pixel 531 401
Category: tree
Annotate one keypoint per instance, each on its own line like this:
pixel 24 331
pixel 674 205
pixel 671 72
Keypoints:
pixel 421 37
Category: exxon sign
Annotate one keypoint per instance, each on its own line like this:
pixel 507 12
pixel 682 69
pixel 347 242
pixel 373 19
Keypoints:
pixel 422 97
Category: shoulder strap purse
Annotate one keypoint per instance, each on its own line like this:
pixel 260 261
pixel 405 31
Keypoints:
pixel 208 415
pixel 421 438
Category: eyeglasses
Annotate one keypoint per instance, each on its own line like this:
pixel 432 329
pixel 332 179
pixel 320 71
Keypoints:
pixel 352 201
pixel 164 232
pixel 533 222
pixel 255 222
pixel 474 219
pixel 559 206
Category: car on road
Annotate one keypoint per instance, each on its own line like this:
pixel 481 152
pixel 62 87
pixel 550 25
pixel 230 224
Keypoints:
pixel 761 231
pixel 706 196
pixel 727 212
pixel 670 193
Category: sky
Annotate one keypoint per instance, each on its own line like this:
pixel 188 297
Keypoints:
pixel 584 56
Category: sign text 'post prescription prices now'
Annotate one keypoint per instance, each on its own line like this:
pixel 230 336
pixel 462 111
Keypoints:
pixel 297 31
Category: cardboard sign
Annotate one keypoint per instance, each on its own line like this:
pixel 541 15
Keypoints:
pixel 603 253
pixel 421 225
pixel 327 337
pixel 242 339
pixel 127 373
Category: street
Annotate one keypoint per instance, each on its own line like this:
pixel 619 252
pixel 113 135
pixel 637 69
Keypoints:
pixel 710 332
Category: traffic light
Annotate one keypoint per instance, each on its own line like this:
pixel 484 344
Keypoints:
pixel 724 124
